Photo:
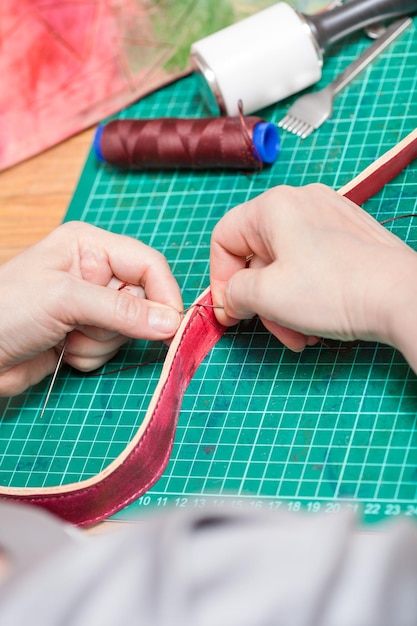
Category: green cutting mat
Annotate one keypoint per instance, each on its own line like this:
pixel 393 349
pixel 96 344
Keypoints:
pixel 321 430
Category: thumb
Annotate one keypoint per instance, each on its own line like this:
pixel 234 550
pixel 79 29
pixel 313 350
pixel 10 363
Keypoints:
pixel 252 291
pixel 244 295
pixel 122 312
pixel 266 291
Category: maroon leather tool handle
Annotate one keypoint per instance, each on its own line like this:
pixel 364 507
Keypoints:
pixel 145 458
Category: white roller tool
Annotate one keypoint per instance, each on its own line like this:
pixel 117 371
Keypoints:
pixel 278 51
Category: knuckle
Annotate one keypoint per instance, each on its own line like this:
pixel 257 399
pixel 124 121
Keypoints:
pixel 66 230
pixel 127 312
pixel 159 259
pixel 74 226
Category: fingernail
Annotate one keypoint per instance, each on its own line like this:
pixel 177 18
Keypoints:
pixel 164 319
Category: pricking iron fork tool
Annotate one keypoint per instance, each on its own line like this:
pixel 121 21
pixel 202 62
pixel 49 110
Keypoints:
pixel 54 376
pixel 311 110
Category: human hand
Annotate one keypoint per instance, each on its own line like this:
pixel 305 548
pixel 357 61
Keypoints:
pixel 68 283
pixel 320 266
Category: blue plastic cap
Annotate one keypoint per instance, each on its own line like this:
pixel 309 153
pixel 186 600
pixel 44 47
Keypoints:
pixel 97 143
pixel 266 141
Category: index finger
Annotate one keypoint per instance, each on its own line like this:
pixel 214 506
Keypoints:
pixel 103 254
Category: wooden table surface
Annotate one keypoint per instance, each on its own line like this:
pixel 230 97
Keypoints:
pixel 34 195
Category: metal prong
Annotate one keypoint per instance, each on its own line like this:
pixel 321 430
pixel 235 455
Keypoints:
pixel 54 375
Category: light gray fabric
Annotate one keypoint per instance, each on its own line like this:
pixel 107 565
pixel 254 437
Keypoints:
pixel 222 568
pixel 29 533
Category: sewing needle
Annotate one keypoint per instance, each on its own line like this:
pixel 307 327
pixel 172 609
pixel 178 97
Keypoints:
pixel 54 375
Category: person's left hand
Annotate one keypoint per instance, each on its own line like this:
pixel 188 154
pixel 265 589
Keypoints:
pixel 84 281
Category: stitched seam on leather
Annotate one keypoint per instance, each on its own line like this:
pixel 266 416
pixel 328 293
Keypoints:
pixel 93 488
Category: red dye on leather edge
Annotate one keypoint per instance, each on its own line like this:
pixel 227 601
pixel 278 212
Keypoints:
pixel 244 143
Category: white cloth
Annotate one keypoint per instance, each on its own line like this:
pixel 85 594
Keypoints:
pixel 212 568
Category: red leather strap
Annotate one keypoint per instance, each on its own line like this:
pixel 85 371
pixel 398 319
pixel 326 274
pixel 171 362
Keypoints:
pixel 145 458
pixel 379 173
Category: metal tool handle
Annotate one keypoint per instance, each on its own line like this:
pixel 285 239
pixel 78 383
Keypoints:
pixel 330 26
pixel 369 55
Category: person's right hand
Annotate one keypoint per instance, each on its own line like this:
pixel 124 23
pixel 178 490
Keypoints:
pixel 319 266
